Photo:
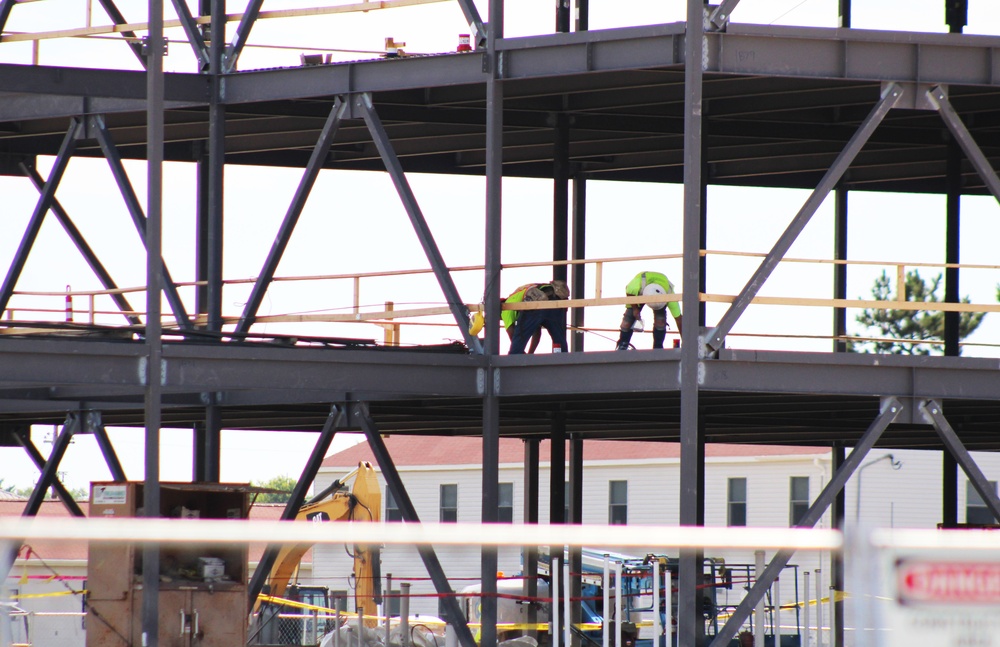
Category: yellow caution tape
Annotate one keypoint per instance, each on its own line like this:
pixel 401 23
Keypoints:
pixel 54 594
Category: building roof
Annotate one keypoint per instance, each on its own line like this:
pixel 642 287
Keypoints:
pixel 436 450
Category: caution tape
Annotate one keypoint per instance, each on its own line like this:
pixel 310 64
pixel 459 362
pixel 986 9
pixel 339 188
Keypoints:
pixel 54 594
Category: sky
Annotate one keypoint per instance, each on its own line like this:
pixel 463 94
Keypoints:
pixel 353 221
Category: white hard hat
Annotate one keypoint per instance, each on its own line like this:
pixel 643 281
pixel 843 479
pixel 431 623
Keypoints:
pixel 650 290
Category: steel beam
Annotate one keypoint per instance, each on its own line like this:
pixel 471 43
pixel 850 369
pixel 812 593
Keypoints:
pixel 890 96
pixel 45 201
pixel 240 36
pixel 193 34
pixel 131 39
pixel 459 311
pixel 141 221
pixel 309 175
pixel 938 96
pixel 360 416
pixel 39 461
pixel 560 194
pixel 81 244
pixel 890 409
pixel 334 421
pixel 931 411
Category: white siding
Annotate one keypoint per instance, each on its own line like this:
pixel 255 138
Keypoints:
pixel 907 497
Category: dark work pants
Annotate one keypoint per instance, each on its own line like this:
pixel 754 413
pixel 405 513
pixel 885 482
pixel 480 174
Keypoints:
pixel 529 321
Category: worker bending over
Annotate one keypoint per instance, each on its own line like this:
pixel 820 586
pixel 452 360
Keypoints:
pixel 648 284
pixel 523 325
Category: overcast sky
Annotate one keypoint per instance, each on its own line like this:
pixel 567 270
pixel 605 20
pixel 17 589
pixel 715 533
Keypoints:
pixel 354 222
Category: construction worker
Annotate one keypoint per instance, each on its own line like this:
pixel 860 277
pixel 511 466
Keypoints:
pixel 648 284
pixel 523 325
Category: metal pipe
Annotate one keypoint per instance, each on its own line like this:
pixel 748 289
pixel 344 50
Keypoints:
pixel 805 609
pixel 567 618
pixel 619 592
pixel 605 633
pixel 758 612
pixel 776 600
pixel 404 614
pixel 819 608
pixel 657 627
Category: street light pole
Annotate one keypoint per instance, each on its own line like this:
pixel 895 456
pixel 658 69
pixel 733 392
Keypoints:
pixel 857 499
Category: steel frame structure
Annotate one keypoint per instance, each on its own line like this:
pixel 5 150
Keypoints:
pixel 699 102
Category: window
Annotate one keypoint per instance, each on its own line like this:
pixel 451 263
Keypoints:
pixel 798 499
pixel 618 503
pixel 392 511
pixel 737 502
pixel 449 502
pixel 976 511
pixel 505 510
pixel 338 600
pixel 391 600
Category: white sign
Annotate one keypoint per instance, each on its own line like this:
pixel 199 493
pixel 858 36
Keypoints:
pixel 939 600
pixel 110 495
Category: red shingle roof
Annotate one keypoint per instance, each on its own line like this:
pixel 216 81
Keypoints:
pixel 426 450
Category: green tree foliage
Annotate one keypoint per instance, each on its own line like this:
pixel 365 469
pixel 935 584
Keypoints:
pixel 899 330
pixel 78 494
pixel 284 483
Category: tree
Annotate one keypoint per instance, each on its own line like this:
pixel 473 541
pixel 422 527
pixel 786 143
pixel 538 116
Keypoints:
pixel 901 330
pixel 283 483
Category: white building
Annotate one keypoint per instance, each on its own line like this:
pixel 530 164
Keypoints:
pixel 637 482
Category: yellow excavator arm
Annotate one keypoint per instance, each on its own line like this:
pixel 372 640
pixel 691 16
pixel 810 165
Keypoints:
pixel 362 503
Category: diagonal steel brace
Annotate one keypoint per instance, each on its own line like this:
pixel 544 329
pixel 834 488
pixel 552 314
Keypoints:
pixel 41 208
pixel 938 96
pixel 309 175
pixel 931 411
pixel 138 216
pixel 891 94
pixel 361 416
pixel 890 409
pixel 458 309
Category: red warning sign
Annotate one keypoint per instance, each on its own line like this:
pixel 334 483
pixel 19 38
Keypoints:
pixel 948 582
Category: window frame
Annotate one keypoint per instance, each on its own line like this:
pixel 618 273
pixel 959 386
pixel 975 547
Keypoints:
pixel 617 509
pixel 505 513
pixel 797 507
pixel 732 503
pixel 447 511
pixel 392 511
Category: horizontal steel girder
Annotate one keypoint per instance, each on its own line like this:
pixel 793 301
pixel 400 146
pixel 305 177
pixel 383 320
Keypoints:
pixel 742 50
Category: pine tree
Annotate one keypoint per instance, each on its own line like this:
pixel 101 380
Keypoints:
pixel 900 331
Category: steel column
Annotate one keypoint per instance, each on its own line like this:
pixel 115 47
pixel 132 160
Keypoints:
pixel 142 222
pixel 579 243
pixel 890 95
pixel 560 192
pixel 334 421
pixel 949 491
pixel 952 254
pixel 395 169
pixel 240 36
pixel 207 441
pixel 359 415
pixel 309 174
pixel 840 270
pixel 216 171
pixel 24 440
pixel 81 244
pixel 931 411
pixel 721 15
pixel 41 207
pixel 155 276
pixel 575 583
pixel 938 97
pixel 531 483
pixel 838 516
pixel 5 7
pixel 690 628
pixel 890 409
